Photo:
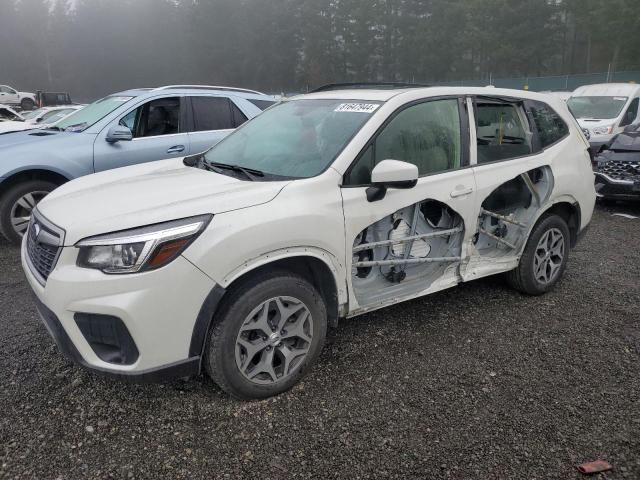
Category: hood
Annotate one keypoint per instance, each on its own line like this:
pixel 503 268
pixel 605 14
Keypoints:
pixel 594 122
pixel 11 126
pixel 145 194
pixel 32 135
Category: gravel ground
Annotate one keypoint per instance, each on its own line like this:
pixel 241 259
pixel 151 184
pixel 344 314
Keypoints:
pixel 475 382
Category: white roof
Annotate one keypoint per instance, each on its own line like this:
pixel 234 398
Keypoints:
pixel 382 95
pixel 606 90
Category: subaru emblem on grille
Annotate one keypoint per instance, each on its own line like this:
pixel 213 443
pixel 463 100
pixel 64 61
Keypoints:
pixel 36 231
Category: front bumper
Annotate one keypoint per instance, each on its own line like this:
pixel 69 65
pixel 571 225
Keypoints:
pixel 609 187
pixel 165 312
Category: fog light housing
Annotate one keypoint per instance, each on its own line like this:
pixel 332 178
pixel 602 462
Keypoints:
pixel 109 338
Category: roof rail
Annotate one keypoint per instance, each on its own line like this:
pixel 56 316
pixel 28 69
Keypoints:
pixel 208 87
pixel 364 85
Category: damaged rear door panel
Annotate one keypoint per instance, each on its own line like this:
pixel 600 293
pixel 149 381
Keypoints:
pixel 514 180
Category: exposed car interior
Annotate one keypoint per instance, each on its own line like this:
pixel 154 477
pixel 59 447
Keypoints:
pixel 406 252
pixel 506 214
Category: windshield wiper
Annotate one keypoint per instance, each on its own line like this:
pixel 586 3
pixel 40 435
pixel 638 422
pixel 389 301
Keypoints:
pixel 250 173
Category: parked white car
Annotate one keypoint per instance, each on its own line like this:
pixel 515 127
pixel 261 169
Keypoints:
pixel 49 115
pixel 325 206
pixel 8 126
pixel 604 110
pixel 11 96
pixel 9 114
pixel 11 121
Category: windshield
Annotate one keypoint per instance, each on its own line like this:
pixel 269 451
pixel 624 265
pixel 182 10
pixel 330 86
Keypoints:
pixel 32 113
pixel 87 116
pixel 298 138
pixel 599 108
pixel 51 119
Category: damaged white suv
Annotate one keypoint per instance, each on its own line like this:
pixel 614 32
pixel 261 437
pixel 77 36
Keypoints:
pixel 326 206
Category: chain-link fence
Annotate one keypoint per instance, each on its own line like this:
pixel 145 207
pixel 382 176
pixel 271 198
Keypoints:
pixel 559 82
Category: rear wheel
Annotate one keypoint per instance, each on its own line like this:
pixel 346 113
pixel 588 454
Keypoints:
pixel 266 335
pixel 27 104
pixel 544 258
pixel 17 204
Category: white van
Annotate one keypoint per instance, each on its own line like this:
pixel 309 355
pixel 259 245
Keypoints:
pixel 605 109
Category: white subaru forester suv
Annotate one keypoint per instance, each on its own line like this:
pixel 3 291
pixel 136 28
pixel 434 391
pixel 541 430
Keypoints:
pixel 326 206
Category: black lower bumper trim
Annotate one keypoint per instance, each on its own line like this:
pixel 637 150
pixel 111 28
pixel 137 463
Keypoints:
pixel 607 188
pixel 180 369
pixel 582 233
pixel 203 321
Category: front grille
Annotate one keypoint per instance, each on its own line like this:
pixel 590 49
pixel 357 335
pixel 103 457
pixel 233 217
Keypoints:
pixel 621 169
pixel 44 243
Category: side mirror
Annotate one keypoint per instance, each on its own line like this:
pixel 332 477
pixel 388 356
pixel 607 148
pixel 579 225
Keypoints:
pixel 119 133
pixel 391 174
pixel 631 128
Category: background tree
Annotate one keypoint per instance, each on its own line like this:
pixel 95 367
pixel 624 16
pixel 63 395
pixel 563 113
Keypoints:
pixel 94 47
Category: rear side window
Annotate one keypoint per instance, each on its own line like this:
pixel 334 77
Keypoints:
pixel 212 113
pixel 551 127
pixel 237 116
pixel 261 104
pixel 502 131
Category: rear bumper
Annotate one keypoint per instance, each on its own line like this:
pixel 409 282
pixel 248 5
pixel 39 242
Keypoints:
pixel 608 187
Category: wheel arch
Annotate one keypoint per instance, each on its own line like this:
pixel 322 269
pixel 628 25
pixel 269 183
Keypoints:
pixel 314 266
pixel 32 174
pixel 569 210
pixel 310 265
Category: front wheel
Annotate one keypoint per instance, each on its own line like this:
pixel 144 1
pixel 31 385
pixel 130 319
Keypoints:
pixel 268 332
pixel 544 259
pixel 16 206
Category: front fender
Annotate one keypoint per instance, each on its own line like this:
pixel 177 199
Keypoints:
pixel 301 251
pixel 68 157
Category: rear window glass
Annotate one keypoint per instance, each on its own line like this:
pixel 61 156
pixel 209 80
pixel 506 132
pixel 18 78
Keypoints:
pixel 261 104
pixel 551 127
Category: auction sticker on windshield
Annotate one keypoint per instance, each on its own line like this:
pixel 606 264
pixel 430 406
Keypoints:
pixel 357 107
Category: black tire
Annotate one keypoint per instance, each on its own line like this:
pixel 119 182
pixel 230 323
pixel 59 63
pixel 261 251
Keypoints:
pixel 240 301
pixel 27 104
pixel 10 197
pixel 523 278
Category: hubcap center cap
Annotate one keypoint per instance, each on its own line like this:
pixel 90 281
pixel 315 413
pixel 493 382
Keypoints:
pixel 274 338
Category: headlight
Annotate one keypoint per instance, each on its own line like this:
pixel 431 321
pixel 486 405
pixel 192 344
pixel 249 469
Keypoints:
pixel 140 249
pixel 604 130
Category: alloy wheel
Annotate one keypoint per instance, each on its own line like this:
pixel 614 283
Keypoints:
pixel 549 256
pixel 22 209
pixel 274 340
